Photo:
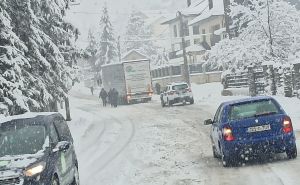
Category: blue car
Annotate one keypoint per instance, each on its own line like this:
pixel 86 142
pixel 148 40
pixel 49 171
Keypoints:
pixel 251 127
pixel 37 149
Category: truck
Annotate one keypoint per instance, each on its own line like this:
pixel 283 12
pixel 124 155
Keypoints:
pixel 132 79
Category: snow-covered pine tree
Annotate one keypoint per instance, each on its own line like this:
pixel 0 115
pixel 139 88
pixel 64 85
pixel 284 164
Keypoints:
pixel 91 50
pixel 40 25
pixel 138 36
pixel 92 47
pixel 62 53
pixel 107 45
pixel 15 79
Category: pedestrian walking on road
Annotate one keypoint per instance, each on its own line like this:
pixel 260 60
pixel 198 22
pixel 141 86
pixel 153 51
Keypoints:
pixel 110 97
pixel 103 95
pixel 115 97
pixel 92 90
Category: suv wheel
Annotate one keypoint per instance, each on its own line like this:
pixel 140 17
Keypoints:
pixel 54 181
pixel 192 101
pixel 292 154
pixel 169 103
pixel 76 177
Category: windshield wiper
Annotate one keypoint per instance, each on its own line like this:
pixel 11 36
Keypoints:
pixel 265 114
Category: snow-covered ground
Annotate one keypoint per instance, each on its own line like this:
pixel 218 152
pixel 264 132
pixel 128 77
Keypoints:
pixel 145 144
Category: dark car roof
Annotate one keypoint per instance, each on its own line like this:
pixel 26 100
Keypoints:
pixel 40 118
pixel 246 100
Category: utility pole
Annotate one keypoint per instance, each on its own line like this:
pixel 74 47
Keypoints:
pixel 227 17
pixel 119 49
pixel 186 73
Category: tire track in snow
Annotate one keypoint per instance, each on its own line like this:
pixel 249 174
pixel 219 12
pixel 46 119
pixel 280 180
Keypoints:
pixel 125 137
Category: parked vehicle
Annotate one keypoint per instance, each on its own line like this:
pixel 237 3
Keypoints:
pixel 251 127
pixel 132 79
pixel 176 93
pixel 37 149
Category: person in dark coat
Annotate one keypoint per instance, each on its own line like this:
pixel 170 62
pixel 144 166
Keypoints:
pixel 157 88
pixel 115 97
pixel 103 95
pixel 110 97
pixel 92 90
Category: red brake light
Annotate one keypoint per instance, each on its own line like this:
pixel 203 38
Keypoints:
pixel 227 134
pixel 287 125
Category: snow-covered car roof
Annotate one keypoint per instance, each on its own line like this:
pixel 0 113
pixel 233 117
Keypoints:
pixel 178 83
pixel 245 100
pixel 29 115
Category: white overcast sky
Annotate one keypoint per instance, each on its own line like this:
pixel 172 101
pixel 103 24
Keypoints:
pixel 87 14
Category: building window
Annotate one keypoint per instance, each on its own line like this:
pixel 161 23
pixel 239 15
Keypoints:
pixel 175 31
pixel 196 30
pixel 186 29
pixel 203 35
pixel 197 41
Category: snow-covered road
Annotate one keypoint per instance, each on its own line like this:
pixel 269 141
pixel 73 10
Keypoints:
pixel 145 144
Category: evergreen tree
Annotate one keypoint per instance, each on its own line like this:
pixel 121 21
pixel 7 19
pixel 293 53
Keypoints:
pixel 107 45
pixel 138 36
pixel 50 52
pixel 15 79
pixel 91 49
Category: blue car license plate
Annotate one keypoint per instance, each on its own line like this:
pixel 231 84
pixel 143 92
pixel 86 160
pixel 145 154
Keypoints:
pixel 259 128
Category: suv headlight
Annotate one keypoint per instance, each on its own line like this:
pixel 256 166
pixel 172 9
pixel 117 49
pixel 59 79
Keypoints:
pixel 35 169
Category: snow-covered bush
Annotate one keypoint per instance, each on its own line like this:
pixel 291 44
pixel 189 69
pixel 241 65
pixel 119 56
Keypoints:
pixel 268 30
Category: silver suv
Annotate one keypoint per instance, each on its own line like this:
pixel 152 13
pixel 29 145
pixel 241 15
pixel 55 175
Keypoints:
pixel 176 93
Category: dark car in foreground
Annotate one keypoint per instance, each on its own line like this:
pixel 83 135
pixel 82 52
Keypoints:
pixel 251 127
pixel 37 149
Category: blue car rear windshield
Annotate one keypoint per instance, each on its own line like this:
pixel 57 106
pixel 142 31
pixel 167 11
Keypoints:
pixel 252 109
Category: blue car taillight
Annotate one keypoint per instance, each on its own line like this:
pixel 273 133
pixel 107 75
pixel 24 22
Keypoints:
pixel 227 134
pixel 287 125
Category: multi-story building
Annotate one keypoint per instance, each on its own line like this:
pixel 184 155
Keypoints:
pixel 204 26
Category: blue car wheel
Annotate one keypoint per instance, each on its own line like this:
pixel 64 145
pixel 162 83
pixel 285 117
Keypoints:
pixel 226 160
pixel 292 153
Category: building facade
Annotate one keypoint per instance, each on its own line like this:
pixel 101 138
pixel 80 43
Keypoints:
pixel 204 26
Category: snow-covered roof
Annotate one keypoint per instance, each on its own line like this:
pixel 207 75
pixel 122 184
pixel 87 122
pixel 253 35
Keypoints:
pixel 26 116
pixel 195 9
pixel 218 9
pixel 220 31
pixel 135 51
